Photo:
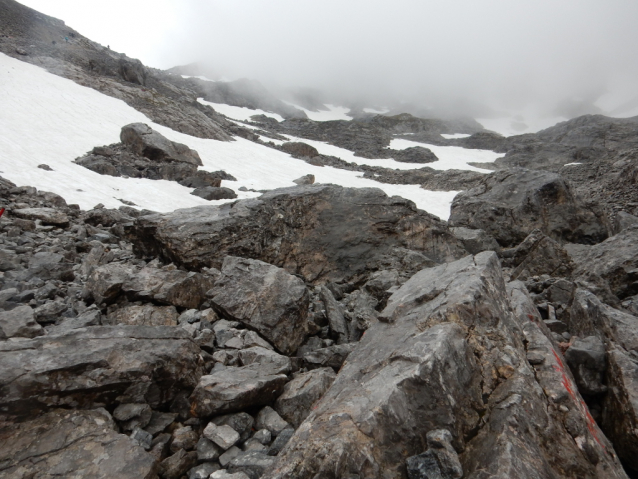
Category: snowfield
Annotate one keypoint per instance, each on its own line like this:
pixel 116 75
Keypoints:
pixel 46 119
pixel 239 112
pixel 333 113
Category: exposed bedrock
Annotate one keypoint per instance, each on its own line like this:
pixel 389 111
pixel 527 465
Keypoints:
pixel 509 205
pixel 322 232
pixel 455 350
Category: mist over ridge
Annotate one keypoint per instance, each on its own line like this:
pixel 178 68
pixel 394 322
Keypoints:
pixel 464 57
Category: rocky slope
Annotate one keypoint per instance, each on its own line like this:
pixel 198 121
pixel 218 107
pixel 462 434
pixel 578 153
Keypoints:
pixel 319 331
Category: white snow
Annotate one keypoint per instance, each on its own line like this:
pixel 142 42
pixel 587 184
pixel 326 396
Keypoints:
pixel 572 164
pixel 527 122
pixel 453 136
pixel 376 112
pixel 199 77
pixel 333 113
pixel 238 112
pixel 48 119
pixel 451 157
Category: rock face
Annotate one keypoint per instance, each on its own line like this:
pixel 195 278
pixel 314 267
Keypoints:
pixel 302 393
pixel 96 366
pixel 264 298
pixel 66 443
pixel 322 232
pixel 616 261
pixel 449 328
pixel 510 204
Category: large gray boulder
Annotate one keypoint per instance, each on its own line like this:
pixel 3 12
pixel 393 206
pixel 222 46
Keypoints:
pixel 322 232
pixel 145 141
pixel 48 216
pixel 264 298
pixel 98 366
pixel 231 389
pixel 448 354
pixel 19 323
pixel 615 260
pixel 510 204
pixel 302 393
pixel 64 443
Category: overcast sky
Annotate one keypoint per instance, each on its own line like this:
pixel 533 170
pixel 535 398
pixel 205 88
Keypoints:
pixel 505 53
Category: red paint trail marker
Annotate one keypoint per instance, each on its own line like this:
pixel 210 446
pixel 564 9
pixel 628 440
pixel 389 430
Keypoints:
pixel 1 211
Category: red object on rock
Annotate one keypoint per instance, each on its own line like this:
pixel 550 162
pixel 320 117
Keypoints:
pixel 1 211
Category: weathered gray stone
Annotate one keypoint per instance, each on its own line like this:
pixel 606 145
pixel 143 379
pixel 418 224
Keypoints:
pixel 253 464
pixel 510 204
pixel 335 316
pixel 207 450
pixel 63 443
pixel 475 240
pixel 146 142
pixel 269 362
pixel 267 418
pixel 439 461
pixel 539 254
pixel 451 328
pixel 159 422
pixel 229 455
pixel 332 356
pixel 322 232
pixel 241 422
pixel 587 361
pixel 19 323
pixel 224 436
pixel 227 475
pixel 144 315
pixel 203 471
pixel 305 180
pixel 48 216
pixel 233 389
pixel 131 416
pixel 184 438
pixel 142 438
pixel 95 366
pixel 302 393
pixel 177 465
pixel 264 298
pixel 280 441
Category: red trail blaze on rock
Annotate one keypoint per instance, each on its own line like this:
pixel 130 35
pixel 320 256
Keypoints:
pixel 568 385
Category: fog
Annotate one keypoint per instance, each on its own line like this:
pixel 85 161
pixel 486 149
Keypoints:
pixel 458 53
pixel 561 57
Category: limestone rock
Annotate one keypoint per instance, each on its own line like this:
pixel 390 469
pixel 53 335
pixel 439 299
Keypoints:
pixel 510 204
pixel 265 298
pixel 94 366
pixel 323 232
pixel 63 443
pixel 48 216
pixel 302 393
pixel 19 322
pixel 148 143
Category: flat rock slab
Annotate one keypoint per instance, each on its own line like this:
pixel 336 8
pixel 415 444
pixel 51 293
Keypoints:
pixel 302 393
pixel 71 444
pixel 93 366
pixel 235 388
pixel 147 142
pixel 264 298
pixel 19 323
pixel 48 216
pixel 322 232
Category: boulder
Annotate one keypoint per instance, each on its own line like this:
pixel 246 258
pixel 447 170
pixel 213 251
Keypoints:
pixel 97 366
pixel 447 353
pixel 253 464
pixel 269 362
pixel 168 286
pixel 144 315
pixel 440 460
pixel 232 389
pixel 214 193
pixel 104 284
pixel 63 443
pixel 264 298
pixel 145 141
pixel 48 216
pixel 19 323
pixel 414 154
pixel 332 356
pixel 538 254
pixel 298 149
pixel 615 260
pixel 474 240
pixel 510 204
pixel 302 393
pixel 336 319
pixel 305 180
pixel 322 232
pixel 177 465
pixel 268 419
pixel 622 221
pixel 587 360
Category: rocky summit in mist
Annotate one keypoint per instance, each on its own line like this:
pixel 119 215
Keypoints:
pixel 206 279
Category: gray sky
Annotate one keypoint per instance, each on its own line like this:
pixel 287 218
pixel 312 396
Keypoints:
pixel 505 53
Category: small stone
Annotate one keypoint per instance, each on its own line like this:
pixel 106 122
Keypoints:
pixel 203 471
pixel 184 438
pixel 280 442
pixel 143 438
pixel 269 419
pixel 207 450
pixel 223 474
pixel 263 436
pixel 224 436
pixel 254 445
pixel 229 455
pixel 131 416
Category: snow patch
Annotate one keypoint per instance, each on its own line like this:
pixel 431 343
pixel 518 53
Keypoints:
pixel 376 112
pixel 455 135
pixel 238 112
pixel 333 113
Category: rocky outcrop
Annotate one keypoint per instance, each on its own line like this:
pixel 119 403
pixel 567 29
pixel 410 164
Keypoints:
pixel 264 298
pixel 322 232
pixel 97 366
pixel 537 255
pixel 434 337
pixel 67 443
pixel 510 204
